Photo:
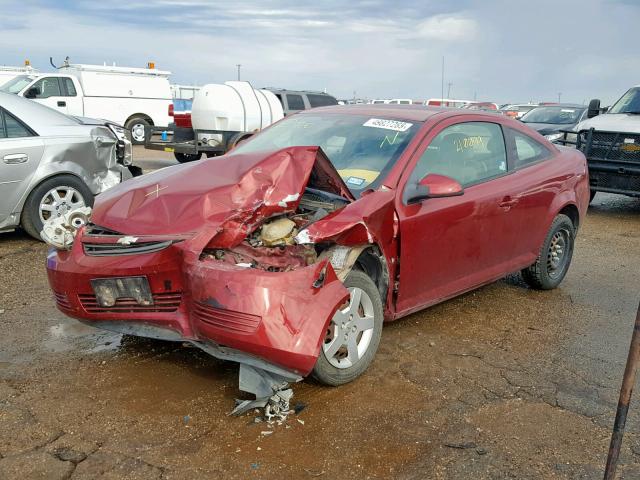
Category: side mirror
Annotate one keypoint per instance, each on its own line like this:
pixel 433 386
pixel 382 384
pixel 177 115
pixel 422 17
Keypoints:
pixel 594 108
pixel 33 92
pixel 434 186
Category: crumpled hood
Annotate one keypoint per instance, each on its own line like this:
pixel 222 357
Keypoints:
pixel 612 122
pixel 224 198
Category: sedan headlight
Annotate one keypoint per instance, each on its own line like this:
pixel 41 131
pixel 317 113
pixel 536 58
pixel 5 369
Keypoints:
pixel 123 146
pixel 552 137
pixel 117 130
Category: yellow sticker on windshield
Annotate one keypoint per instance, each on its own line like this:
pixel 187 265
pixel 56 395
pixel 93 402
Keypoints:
pixel 468 143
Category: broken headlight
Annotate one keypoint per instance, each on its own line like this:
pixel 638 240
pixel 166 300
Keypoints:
pixel 123 144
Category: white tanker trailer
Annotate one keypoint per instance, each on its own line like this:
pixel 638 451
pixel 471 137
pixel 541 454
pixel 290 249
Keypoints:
pixel 221 116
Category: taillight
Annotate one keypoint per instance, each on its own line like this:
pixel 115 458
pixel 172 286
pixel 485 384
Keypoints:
pixel 171 109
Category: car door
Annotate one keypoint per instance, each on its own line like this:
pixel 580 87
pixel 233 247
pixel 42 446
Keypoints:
pixel 72 97
pixel 20 153
pixel 451 245
pixel 48 92
pixel 535 180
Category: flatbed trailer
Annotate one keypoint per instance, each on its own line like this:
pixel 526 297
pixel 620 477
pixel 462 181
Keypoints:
pixel 189 144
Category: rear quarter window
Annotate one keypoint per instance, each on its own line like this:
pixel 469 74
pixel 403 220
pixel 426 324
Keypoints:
pixel 321 100
pixel 295 102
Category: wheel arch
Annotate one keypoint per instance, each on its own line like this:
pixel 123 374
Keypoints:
pixel 144 116
pixel 571 211
pixel 44 178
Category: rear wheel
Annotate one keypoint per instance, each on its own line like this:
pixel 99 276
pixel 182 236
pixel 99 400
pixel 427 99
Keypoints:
pixel 187 157
pixel 137 125
pixel 353 334
pixel 54 197
pixel 555 256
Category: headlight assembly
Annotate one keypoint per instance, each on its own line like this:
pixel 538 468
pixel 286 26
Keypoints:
pixel 554 136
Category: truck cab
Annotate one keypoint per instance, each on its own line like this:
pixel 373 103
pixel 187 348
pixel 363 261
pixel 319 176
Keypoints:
pixel 611 143
pixel 60 92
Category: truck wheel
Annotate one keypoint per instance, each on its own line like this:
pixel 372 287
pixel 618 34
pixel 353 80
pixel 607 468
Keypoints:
pixel 353 334
pixel 52 198
pixel 137 125
pixel 555 256
pixel 187 157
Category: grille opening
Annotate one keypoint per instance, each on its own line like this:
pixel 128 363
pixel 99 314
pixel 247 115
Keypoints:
pixel 162 302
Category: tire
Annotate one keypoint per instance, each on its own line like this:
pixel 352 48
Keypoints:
pixel 548 270
pixel 32 219
pixel 591 195
pixel 340 368
pixel 136 126
pixel 187 157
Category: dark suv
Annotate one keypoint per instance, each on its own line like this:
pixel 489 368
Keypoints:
pixel 295 100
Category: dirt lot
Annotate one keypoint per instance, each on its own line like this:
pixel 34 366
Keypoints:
pixel 504 382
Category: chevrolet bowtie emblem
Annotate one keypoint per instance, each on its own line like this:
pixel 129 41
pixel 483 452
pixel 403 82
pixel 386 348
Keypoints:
pixel 156 190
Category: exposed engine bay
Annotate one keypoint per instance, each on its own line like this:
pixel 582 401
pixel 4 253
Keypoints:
pixel 272 246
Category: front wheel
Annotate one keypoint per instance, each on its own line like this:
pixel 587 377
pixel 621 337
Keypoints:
pixel 555 256
pixel 353 335
pixel 187 157
pixel 53 198
pixel 137 125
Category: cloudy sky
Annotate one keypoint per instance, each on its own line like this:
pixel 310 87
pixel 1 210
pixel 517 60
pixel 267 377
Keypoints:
pixel 502 50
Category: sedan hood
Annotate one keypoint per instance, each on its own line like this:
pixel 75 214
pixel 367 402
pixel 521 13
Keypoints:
pixel 221 198
pixel 547 128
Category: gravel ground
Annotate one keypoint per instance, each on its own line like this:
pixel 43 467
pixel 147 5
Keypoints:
pixel 504 382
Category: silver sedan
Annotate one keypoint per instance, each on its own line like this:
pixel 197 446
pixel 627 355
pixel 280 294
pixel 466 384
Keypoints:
pixel 52 163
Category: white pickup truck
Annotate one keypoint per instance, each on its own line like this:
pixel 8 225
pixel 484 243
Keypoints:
pixel 133 97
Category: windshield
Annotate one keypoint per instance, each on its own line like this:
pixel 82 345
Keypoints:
pixel 360 148
pixel 629 103
pixel 558 115
pixel 16 84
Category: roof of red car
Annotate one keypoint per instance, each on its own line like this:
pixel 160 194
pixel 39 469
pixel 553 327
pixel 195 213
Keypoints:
pixel 417 113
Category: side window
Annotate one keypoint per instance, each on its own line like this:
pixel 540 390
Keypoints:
pixel 527 150
pixel 295 102
pixel 69 87
pixel 316 100
pixel 13 128
pixel 48 86
pixel 468 152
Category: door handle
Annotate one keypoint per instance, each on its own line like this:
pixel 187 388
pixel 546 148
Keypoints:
pixel 508 202
pixel 62 104
pixel 15 158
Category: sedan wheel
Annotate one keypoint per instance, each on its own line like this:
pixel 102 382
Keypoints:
pixel 555 256
pixel 350 332
pixel 58 201
pixel 53 198
pixel 353 334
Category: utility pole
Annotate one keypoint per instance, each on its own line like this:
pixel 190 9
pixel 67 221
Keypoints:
pixel 442 83
pixel 449 89
pixel 559 95
pixel 238 65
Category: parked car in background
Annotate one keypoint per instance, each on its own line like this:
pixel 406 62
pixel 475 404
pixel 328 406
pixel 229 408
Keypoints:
pixel 447 102
pixel 297 100
pixel 53 163
pixel 549 120
pixel 400 101
pixel 483 106
pixel 380 102
pixel 611 143
pixel 517 110
pixel 133 97
pixel 288 253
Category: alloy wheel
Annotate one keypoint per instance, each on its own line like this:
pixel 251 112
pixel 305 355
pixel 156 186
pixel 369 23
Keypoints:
pixel 350 331
pixel 58 201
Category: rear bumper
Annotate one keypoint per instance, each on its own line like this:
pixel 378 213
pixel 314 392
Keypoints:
pixel 279 317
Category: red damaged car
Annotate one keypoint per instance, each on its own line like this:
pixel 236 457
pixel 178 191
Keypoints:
pixel 288 253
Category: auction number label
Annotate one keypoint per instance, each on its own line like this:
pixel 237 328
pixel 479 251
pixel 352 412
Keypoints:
pixel 394 125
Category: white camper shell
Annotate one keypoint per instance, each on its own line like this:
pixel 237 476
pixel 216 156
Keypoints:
pixel 133 97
